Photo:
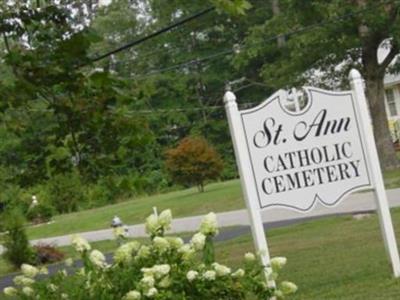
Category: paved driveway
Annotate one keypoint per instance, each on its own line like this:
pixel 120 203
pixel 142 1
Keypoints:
pixel 356 203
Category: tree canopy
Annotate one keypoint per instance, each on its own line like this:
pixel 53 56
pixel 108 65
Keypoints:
pixel 105 125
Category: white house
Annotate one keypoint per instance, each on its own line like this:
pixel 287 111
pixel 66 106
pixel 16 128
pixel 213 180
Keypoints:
pixel 392 103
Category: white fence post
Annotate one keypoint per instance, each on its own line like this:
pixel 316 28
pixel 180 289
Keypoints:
pixel 375 171
pixel 249 191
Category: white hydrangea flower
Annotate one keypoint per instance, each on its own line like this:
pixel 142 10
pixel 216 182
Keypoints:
pixel 29 271
pixel 144 252
pixel 124 253
pixel 198 241
pixel 64 296
pixel 133 295
pixel 148 281
pixel 28 291
pixel 221 270
pixel 238 273
pixel 161 270
pixel 175 242
pixel 43 271
pixel 209 224
pixel 69 262
pixel 192 275
pixel 288 287
pixel 165 219
pixel 249 257
pixel 161 244
pixel 81 272
pixel 152 292
pixel 23 280
pixel 52 287
pixel 209 275
pixel 119 232
pixel 155 223
pixel 186 251
pixel 10 291
pixel 80 244
pixel 279 294
pixel 151 224
pixel 147 271
pixel 278 263
pixel 97 258
pixel 165 282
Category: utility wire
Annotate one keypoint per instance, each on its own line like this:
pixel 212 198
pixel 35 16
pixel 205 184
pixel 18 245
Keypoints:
pixel 154 34
pixel 186 63
pixel 163 48
pixel 287 34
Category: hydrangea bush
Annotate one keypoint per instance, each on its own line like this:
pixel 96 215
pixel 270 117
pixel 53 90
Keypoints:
pixel 165 268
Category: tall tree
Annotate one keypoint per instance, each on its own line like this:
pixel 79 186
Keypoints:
pixel 330 38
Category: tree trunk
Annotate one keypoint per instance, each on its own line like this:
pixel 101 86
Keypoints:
pixel 374 72
pixel 276 10
pixel 375 94
pixel 200 187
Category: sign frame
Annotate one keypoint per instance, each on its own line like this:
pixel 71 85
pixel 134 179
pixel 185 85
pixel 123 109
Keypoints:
pixel 248 183
pixel 276 102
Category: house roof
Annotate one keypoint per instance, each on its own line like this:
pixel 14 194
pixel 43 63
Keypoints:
pixel 391 79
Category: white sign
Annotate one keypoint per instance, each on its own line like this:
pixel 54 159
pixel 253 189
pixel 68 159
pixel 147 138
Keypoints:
pixel 305 150
pixel 294 151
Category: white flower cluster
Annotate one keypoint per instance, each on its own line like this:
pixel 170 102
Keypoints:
pixel 210 275
pixel 156 224
pixel 175 242
pixel 125 253
pixel 98 259
pixel 119 232
pixel 159 265
pixel 157 271
pixel 285 288
pixel 133 295
pixel 29 271
pixel 277 263
pixel 209 225
pixel 192 275
pixel 148 281
pixel 80 244
pixel 198 241
pixel 221 270
pixel 161 244
pixel 187 251
pixel 25 281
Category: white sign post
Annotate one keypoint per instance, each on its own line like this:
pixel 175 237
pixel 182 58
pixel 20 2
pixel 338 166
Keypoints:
pixel 296 150
pixel 243 162
pixel 385 219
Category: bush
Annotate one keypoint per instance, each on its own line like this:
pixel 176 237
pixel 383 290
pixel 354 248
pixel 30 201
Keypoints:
pixel 40 213
pixel 12 198
pixel 65 192
pixel 193 162
pixel 47 254
pixel 97 195
pixel 16 242
pixel 164 269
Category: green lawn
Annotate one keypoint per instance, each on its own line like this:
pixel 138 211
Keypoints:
pixel 334 258
pixel 217 197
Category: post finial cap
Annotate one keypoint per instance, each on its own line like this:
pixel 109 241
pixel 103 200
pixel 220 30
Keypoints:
pixel 229 97
pixel 354 75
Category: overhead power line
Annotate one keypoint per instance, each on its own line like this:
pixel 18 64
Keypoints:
pixel 154 34
pixel 237 48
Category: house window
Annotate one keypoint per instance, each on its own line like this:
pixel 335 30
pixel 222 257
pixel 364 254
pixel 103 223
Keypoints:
pixel 391 102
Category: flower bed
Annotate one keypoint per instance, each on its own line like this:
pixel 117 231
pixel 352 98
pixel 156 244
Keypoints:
pixel 166 268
